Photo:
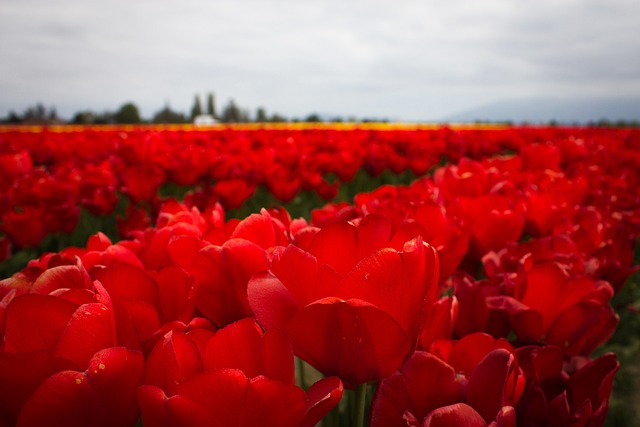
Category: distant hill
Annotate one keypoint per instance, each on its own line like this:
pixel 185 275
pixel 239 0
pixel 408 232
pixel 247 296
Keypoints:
pixel 544 110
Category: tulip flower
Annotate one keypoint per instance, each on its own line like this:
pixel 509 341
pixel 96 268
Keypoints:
pixel 555 397
pixel 59 364
pixel 572 312
pixel 426 391
pixel 238 376
pixel 351 307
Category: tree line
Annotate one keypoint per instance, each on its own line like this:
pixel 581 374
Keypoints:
pixel 129 113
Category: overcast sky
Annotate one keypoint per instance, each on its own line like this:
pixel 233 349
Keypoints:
pixel 401 59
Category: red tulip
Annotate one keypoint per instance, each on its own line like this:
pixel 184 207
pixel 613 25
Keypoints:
pixel 493 220
pixel 350 307
pixel 233 192
pixel 465 356
pixel 25 227
pixel 426 391
pixel 555 397
pixel 439 322
pixel 239 376
pixel 474 315
pixel 49 340
pixel 221 274
pixel 141 182
pixel 414 212
pixel 572 312
pixel 560 248
pixel 102 396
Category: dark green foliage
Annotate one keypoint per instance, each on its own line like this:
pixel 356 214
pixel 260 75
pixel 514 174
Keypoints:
pixel 211 106
pixel 261 115
pixel 233 114
pixel 168 116
pixel 196 110
pixel 127 114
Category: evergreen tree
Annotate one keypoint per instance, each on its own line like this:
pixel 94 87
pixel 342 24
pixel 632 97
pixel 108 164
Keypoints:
pixel 261 115
pixel 231 113
pixel 211 106
pixel 196 110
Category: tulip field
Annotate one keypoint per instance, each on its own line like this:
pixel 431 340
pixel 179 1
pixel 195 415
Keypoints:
pixel 336 275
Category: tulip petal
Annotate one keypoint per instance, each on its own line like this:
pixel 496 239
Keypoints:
pixel 177 293
pixel 153 406
pixel 20 376
pixel 593 382
pixel 183 412
pixel 422 384
pixel 64 276
pixel 242 345
pixel 261 230
pixel 439 322
pixel 353 340
pixel 273 404
pixel 234 400
pixel 526 322
pixel 581 328
pixel 271 301
pixel 89 330
pixel 550 279
pixel 35 322
pixel 322 396
pixel 336 245
pixel 458 414
pixel 172 361
pixel 374 233
pixel 304 277
pixel 104 395
pixel 221 274
pixel 467 353
pixel 397 283
pixel 486 389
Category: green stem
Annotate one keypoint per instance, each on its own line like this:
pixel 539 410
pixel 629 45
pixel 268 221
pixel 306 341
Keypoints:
pixel 333 418
pixel 301 379
pixel 361 401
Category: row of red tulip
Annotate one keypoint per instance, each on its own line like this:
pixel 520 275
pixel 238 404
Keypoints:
pixel 45 176
pixel 196 321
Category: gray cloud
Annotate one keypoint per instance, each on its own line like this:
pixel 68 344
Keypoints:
pixel 413 60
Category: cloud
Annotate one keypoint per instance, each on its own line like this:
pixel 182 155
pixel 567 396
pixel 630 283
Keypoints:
pixel 407 60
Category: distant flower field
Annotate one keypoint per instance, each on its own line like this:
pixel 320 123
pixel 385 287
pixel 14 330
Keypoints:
pixel 379 275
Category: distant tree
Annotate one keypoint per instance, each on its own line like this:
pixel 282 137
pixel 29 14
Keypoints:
pixel 277 118
pixel 232 113
pixel 211 105
pixel 53 115
pixel 105 118
pixel 127 114
pixel 167 115
pixel 12 118
pixel 38 114
pixel 261 115
pixel 313 118
pixel 196 110
pixel 85 117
